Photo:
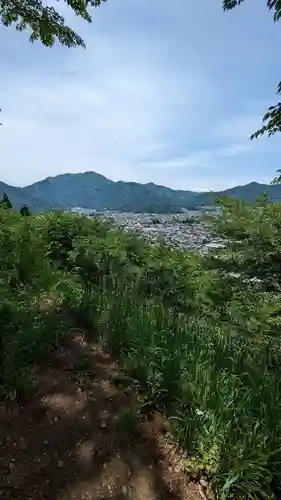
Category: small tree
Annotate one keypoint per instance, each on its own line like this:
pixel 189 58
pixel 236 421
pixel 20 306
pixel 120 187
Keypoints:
pixel 25 212
pixel 5 202
pixel 252 241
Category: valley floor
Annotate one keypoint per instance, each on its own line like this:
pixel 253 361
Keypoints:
pixel 79 436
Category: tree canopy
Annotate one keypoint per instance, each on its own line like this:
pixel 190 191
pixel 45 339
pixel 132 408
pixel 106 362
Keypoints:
pixel 44 22
pixel 272 118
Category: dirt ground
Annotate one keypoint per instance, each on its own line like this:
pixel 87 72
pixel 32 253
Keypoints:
pixel 69 441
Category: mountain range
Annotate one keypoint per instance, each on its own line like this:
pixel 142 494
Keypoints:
pixel 94 191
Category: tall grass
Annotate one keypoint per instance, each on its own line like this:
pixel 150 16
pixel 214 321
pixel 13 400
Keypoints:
pixel 218 388
pixel 204 346
pixel 28 329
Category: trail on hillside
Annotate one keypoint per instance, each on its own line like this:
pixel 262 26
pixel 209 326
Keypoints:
pixel 76 437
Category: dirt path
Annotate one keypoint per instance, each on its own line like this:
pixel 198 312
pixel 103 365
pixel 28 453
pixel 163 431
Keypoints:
pixel 71 440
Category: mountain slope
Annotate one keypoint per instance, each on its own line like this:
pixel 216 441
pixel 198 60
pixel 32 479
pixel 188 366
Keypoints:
pixel 249 193
pixel 94 191
pixel 19 197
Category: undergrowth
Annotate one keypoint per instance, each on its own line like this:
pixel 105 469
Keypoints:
pixel 201 344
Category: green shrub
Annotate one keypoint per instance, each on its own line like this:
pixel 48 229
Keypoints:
pixel 25 332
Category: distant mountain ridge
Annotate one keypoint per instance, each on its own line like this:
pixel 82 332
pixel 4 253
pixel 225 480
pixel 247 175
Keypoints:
pixel 95 191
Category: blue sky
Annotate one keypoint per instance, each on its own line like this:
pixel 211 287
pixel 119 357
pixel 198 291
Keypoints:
pixel 167 92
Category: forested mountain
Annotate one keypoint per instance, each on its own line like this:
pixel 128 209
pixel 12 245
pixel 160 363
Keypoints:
pixel 94 191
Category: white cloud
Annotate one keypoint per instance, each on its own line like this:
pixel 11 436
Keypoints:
pixel 208 158
pixel 101 111
pixel 238 128
pixel 146 101
pixel 236 149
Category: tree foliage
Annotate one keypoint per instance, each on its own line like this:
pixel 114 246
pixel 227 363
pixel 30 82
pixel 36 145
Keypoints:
pixel 5 201
pixel 272 118
pixel 43 21
pixel 253 241
pixel 24 211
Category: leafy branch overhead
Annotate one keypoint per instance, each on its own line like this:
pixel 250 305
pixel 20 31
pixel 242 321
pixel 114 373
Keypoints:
pixel 272 118
pixel 44 22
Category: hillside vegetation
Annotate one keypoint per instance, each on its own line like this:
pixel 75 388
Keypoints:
pixel 197 342
pixel 94 191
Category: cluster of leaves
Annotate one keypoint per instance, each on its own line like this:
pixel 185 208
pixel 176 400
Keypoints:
pixel 253 249
pixel 44 21
pixel 272 118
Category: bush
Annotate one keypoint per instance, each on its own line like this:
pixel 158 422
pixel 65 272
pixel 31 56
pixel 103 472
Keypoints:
pixel 25 273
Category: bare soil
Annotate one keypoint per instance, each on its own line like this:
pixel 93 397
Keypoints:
pixel 65 441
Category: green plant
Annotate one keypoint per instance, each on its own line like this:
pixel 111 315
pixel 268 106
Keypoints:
pixel 24 211
pixel 25 332
pixel 197 336
pixel 202 345
pixel 44 22
pixel 272 119
pixel 127 423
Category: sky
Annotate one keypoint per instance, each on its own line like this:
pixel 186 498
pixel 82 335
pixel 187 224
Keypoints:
pixel 165 92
